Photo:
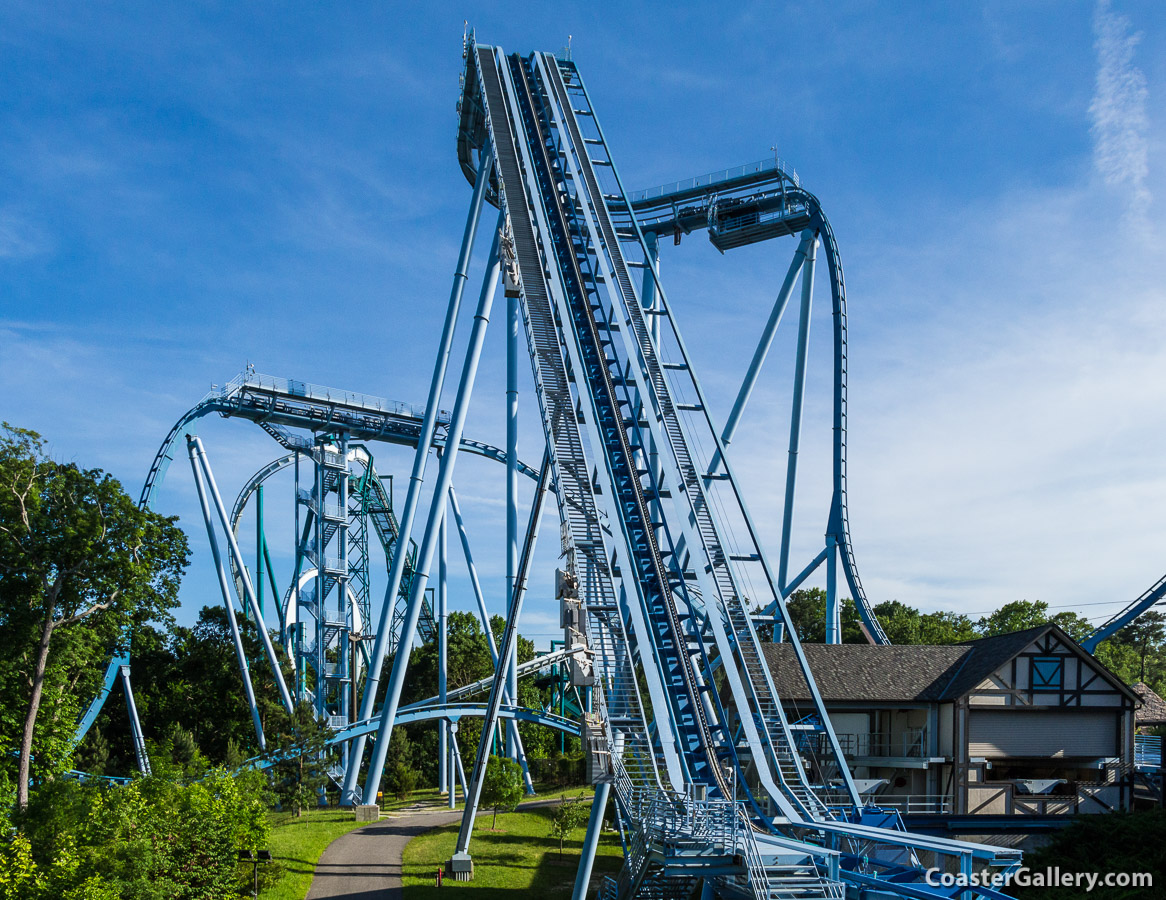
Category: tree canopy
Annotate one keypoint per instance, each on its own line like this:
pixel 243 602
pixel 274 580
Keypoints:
pixel 80 566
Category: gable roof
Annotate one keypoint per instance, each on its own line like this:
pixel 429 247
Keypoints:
pixel 986 655
pixel 891 673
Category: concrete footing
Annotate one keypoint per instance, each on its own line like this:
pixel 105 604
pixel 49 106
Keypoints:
pixel 368 812
pixel 460 867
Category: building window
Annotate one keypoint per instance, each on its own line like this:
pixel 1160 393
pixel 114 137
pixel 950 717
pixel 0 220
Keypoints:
pixel 1048 673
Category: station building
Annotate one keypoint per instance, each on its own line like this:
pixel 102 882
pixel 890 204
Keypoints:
pixel 1021 724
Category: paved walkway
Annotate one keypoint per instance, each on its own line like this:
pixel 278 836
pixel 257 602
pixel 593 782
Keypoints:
pixel 365 863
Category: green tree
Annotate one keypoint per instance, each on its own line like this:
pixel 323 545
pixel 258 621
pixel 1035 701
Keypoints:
pixel 1116 842
pixel 299 762
pixel 1015 616
pixel 899 621
pixel 945 628
pixel 904 624
pixel 502 785
pixel 1073 624
pixel 234 756
pixel 807 609
pixel 93 754
pixel 75 550
pixel 1143 633
pixel 400 775
pixel 565 819
pixel 177 757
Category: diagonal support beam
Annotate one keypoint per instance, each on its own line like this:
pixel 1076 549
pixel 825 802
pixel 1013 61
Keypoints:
pixel 237 640
pixel 417 476
pixel 484 615
pixel 509 644
pixel 248 588
pixel 762 350
pixel 795 426
pixel 436 513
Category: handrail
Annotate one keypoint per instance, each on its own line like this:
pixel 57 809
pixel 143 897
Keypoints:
pixel 307 391
pixel 774 164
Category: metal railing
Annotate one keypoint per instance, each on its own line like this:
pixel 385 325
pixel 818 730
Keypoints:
pixel 773 164
pixel 326 510
pixel 918 804
pixel 911 743
pixel 1147 750
pixel 292 388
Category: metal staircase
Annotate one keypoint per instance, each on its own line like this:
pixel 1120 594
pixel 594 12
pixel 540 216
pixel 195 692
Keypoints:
pixel 655 526
pixel 737 639
pixel 583 539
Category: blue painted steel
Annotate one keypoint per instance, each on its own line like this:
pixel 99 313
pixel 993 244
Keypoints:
pixel 417 476
pixel 139 739
pixel 764 344
pixel 442 655
pixel 453 712
pixel 260 555
pixel 237 555
pixel 761 694
pixel 1127 615
pixel 833 602
pixel 501 675
pixel 512 351
pixel 772 191
pixel 484 615
pixel 576 264
pixel 121 657
pixel 472 570
pixel 436 513
pixel 591 841
pixel 240 655
pixel 608 395
pixel 1148 751
pixel 795 424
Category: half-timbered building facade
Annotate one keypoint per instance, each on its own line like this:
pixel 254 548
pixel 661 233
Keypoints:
pixel 1021 723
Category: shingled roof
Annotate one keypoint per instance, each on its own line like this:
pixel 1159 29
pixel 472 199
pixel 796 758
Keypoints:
pixel 898 673
pixel 1153 710
pixel 887 673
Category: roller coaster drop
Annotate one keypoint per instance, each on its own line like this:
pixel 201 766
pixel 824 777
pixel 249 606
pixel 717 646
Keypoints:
pixel 715 789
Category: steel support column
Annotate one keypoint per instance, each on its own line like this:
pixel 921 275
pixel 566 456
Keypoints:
pixel 442 658
pixel 240 655
pixel 512 351
pixel 795 427
pixel 436 509
pixel 417 476
pixel 140 753
pixel 248 588
pixel 764 343
pixel 591 841
pixel 484 615
pixel 497 689
pixel 833 604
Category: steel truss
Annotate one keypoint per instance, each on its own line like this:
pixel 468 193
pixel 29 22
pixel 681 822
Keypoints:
pixel 662 567
pixel 663 562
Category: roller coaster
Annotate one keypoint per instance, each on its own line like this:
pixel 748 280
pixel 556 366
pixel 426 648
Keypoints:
pixel 664 581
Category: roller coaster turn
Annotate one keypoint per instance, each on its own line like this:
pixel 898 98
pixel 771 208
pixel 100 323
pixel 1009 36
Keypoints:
pixel 664 578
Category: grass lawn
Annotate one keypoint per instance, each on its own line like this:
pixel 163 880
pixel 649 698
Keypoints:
pixel 296 844
pixel 520 855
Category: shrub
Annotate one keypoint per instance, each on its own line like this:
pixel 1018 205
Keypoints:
pixel 150 839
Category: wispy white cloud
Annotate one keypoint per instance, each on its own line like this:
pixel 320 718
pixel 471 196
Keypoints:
pixel 20 238
pixel 1118 110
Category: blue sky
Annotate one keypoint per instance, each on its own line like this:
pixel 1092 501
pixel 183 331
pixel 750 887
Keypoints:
pixel 187 189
